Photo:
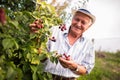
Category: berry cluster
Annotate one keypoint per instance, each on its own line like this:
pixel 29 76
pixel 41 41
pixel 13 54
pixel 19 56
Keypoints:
pixel 62 27
pixel 36 25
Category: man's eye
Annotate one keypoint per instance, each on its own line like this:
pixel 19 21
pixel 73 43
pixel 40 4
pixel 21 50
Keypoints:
pixel 76 19
pixel 83 22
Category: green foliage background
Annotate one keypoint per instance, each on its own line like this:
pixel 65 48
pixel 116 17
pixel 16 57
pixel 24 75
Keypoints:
pixel 18 5
pixel 19 55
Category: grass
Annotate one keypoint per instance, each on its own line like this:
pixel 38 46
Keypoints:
pixel 107 67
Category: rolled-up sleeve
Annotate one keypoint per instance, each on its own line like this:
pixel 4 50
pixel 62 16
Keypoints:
pixel 89 61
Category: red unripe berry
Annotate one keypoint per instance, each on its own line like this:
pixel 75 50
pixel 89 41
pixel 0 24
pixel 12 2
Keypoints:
pixel 39 26
pixel 62 29
pixel 2 16
pixel 53 37
pixel 36 22
pixel 65 55
pixel 59 27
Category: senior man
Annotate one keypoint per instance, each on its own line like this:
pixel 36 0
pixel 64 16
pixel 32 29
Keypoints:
pixel 78 57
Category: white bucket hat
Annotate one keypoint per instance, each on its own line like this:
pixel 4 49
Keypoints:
pixel 88 13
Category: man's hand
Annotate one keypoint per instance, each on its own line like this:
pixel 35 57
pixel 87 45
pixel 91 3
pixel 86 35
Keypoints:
pixel 67 62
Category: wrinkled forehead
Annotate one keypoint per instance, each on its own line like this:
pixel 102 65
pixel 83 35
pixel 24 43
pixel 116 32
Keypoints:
pixel 87 18
pixel 81 14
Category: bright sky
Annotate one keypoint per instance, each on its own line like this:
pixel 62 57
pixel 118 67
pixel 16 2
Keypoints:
pixel 107 23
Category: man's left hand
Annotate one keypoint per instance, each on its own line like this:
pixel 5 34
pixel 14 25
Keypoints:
pixel 68 63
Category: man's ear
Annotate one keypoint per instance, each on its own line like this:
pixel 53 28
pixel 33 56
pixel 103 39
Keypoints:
pixel 90 24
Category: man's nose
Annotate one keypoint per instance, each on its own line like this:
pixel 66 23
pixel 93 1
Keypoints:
pixel 79 23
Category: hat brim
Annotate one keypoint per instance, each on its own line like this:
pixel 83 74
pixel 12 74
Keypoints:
pixel 88 14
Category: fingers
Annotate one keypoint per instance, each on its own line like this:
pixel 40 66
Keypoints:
pixel 63 64
pixel 63 59
pixel 66 59
pixel 67 63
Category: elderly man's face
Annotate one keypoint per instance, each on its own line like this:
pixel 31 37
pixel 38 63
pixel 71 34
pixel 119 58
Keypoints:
pixel 80 23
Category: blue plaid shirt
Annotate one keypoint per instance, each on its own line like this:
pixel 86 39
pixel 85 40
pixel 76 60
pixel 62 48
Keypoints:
pixel 82 52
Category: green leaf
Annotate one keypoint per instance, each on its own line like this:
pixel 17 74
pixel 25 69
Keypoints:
pixel 2 35
pixel 35 76
pixel 11 71
pixel 33 67
pixel 19 74
pixel 8 43
pixel 40 68
pixel 16 44
pixel 42 56
pixel 56 60
pixel 46 22
pixel 32 36
pixel 15 24
pixel 29 56
pixel 35 60
pixel 52 59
